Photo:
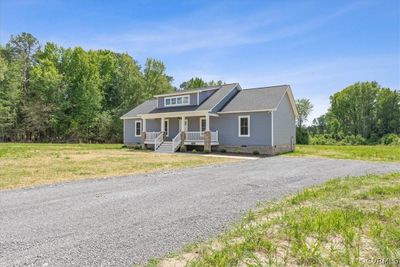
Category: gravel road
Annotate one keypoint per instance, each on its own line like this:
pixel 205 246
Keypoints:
pixel 127 220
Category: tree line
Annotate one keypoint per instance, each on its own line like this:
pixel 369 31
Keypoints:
pixel 52 93
pixel 362 113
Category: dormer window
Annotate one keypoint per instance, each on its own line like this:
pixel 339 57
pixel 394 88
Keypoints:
pixel 176 101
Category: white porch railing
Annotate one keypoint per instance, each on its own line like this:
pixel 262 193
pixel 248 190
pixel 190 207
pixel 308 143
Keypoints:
pixel 176 141
pixel 214 137
pixel 194 136
pixel 151 135
pixel 199 136
pixel 158 141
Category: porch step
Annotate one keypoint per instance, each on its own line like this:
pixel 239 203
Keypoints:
pixel 166 147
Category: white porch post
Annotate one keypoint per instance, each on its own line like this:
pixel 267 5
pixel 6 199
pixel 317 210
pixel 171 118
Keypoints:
pixel 143 133
pixel 183 123
pixel 207 135
pixel 183 134
pixel 207 122
pixel 144 125
pixel 162 128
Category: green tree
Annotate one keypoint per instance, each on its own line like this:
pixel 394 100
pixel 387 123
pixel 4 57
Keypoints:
pixel 10 96
pixel 23 48
pixel 304 108
pixel 83 95
pixel 197 82
pixel 354 108
pixel 155 79
pixel 388 111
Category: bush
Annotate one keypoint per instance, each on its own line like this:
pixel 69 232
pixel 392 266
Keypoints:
pixel 322 139
pixel 223 150
pixel 302 136
pixel 256 152
pixel 353 140
pixel 194 151
pixel 390 139
pixel 206 151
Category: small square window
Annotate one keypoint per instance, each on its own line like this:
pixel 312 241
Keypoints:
pixel 167 102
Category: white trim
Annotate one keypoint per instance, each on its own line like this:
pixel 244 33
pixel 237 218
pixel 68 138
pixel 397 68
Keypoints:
pixel 138 121
pixel 123 126
pixel 130 118
pixel 191 91
pixel 202 119
pixel 198 98
pixel 272 128
pixel 176 114
pixel 291 100
pixel 166 121
pixel 248 126
pixel 247 111
pixel 176 101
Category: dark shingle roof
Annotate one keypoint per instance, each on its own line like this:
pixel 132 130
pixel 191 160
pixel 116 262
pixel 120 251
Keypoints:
pixel 150 106
pixel 143 108
pixel 263 98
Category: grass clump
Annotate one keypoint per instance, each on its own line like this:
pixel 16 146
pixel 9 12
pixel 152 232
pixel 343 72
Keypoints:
pixel 343 222
pixel 373 153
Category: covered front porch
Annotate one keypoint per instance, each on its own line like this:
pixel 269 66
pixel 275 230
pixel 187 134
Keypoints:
pixel 169 133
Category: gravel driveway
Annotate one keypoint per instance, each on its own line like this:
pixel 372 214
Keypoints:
pixel 127 220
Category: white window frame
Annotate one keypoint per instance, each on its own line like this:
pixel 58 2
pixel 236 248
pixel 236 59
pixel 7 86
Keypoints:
pixel 136 122
pixel 176 101
pixel 202 119
pixel 167 132
pixel 248 126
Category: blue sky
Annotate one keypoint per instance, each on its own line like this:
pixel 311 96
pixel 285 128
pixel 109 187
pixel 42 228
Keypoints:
pixel 318 47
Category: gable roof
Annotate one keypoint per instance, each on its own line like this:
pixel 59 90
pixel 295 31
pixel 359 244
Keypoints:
pixel 150 106
pixel 260 99
pixel 246 100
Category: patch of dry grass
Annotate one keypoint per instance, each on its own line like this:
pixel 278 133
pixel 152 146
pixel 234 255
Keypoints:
pixel 349 222
pixel 23 165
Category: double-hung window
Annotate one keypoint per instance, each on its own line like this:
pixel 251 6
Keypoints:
pixel 244 126
pixel 176 101
pixel 138 128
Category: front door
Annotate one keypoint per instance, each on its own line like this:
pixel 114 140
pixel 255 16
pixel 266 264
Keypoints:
pixel 186 125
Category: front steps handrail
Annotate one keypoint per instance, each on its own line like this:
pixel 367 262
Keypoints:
pixel 158 141
pixel 176 142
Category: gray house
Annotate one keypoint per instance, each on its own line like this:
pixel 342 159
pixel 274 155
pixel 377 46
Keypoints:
pixel 223 117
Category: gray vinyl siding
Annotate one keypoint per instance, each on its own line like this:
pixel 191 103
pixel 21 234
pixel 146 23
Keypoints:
pixel 228 129
pixel 284 123
pixel 129 132
pixel 173 128
pixel 225 100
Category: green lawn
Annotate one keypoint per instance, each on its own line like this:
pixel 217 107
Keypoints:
pixel 373 153
pixel 349 222
pixel 32 164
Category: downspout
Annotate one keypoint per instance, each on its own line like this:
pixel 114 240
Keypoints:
pixel 272 128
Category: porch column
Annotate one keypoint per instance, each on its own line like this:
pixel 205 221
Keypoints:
pixel 162 128
pixel 207 135
pixel 183 134
pixel 143 134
